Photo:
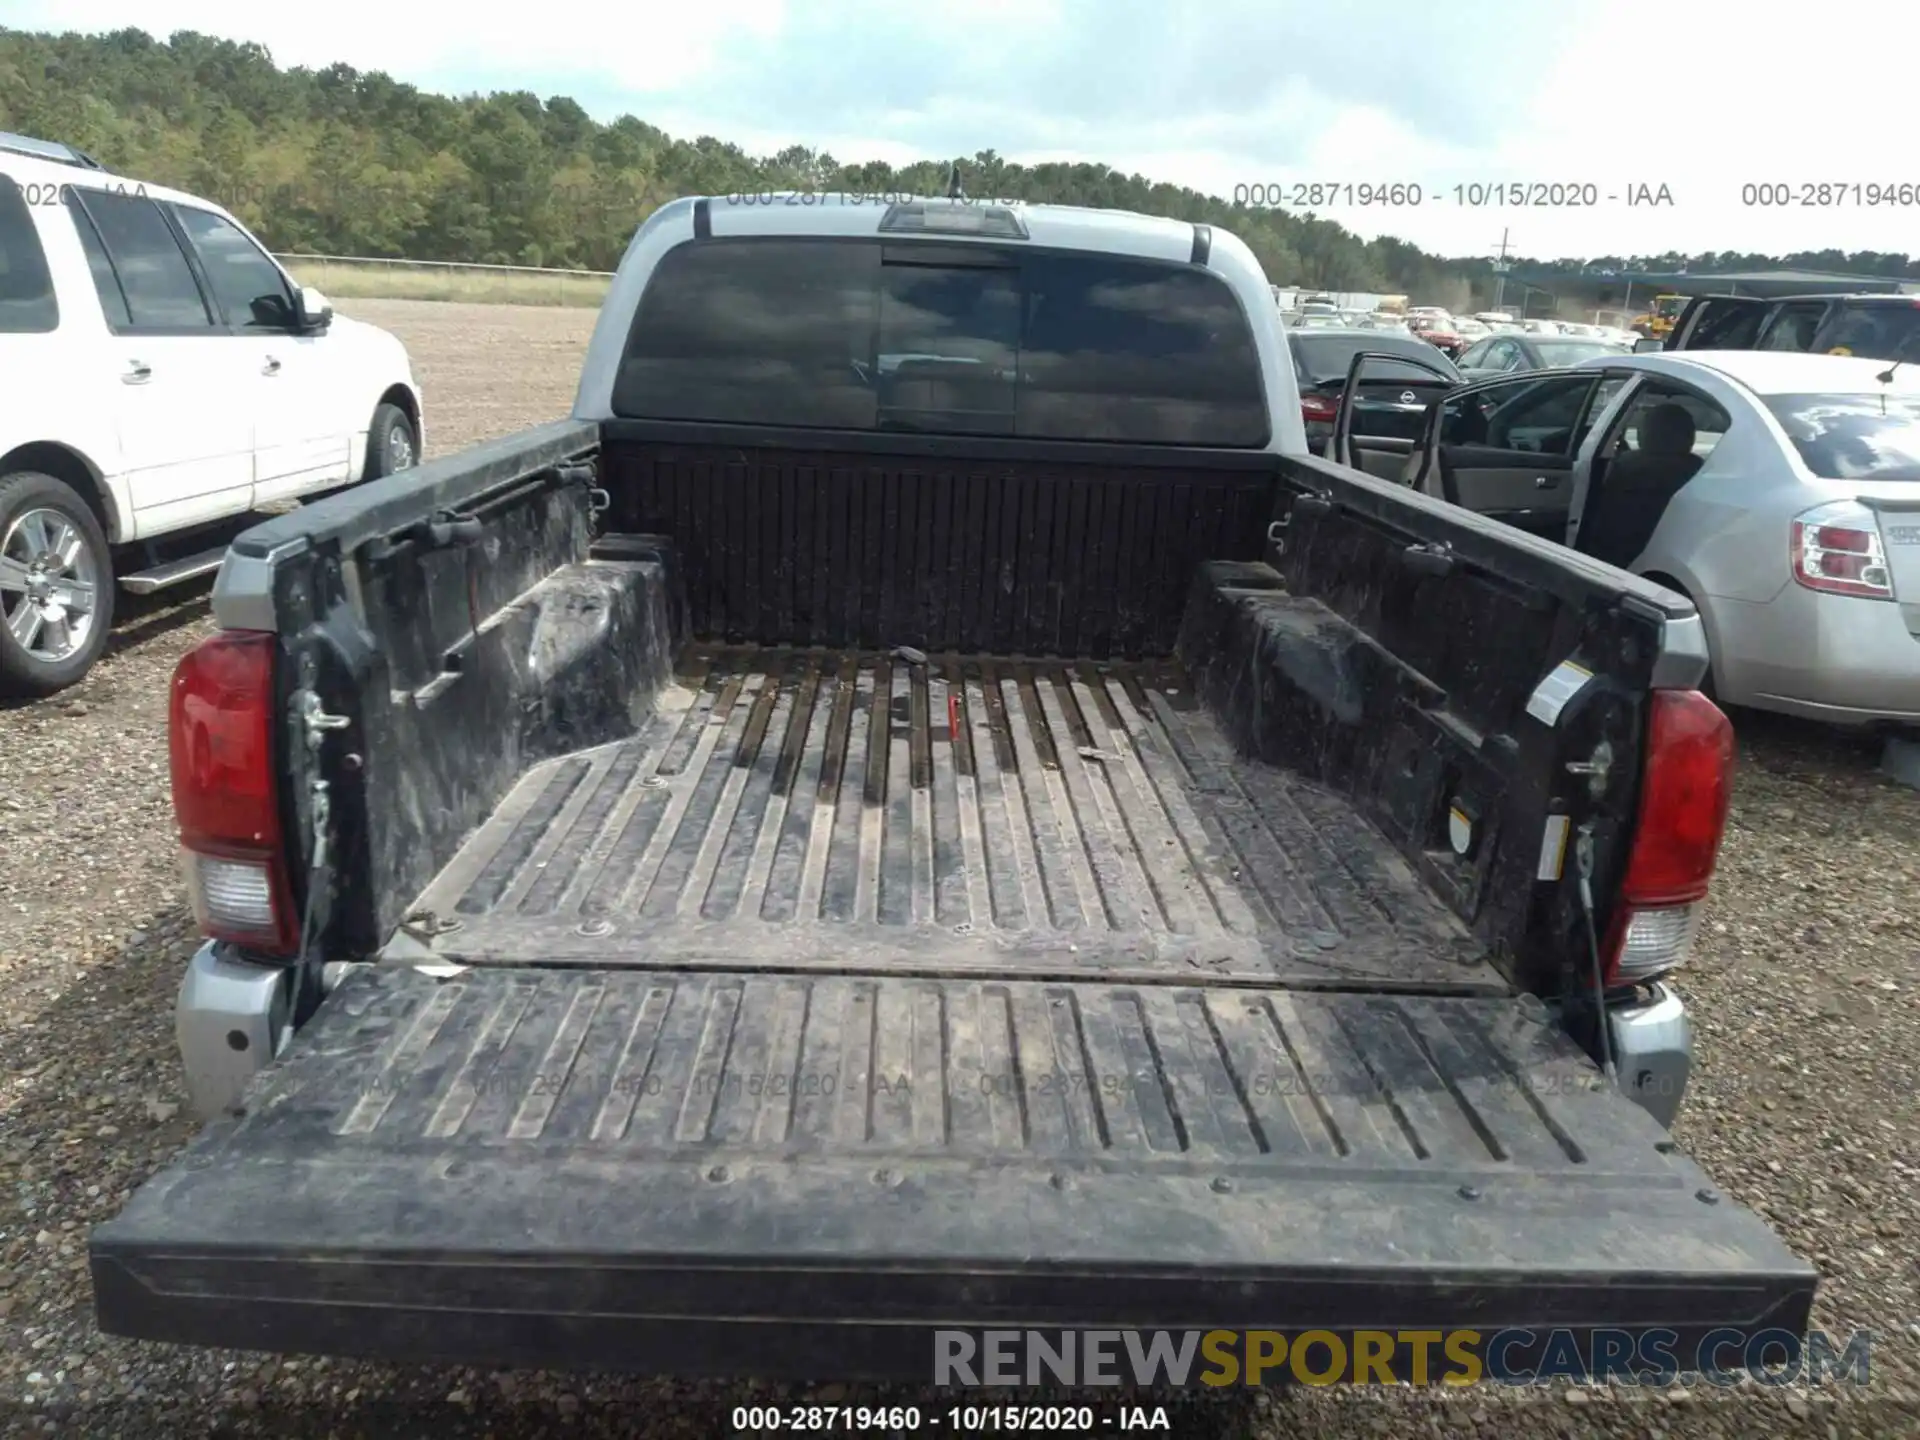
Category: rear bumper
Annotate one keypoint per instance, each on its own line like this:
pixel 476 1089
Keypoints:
pixel 1831 658
pixel 231 1020
pixel 649 1171
pixel 1653 1052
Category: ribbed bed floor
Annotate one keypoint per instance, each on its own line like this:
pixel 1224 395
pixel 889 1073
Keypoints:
pixel 821 810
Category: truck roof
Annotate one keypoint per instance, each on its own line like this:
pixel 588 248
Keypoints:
pixel 852 213
pixel 1852 297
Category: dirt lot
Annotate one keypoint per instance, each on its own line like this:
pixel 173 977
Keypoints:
pixel 1806 986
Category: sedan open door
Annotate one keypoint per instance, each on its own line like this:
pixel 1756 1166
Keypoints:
pixel 1507 448
pixel 1380 418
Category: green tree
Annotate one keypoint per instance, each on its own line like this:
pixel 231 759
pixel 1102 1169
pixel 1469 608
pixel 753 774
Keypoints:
pixel 342 161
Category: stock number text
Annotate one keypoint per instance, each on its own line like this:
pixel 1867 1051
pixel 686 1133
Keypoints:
pixel 1830 194
pixel 1314 194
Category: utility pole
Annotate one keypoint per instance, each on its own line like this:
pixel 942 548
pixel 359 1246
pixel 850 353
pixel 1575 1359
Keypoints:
pixel 1500 267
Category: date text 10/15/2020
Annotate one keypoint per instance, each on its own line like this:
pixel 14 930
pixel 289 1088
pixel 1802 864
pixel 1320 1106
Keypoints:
pixel 1472 195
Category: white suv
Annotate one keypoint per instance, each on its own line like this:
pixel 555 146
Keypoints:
pixel 162 375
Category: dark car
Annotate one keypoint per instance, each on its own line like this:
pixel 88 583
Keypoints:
pixel 1392 400
pixel 1872 327
pixel 1516 354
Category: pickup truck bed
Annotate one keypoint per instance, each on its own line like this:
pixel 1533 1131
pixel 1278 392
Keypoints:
pixel 745 1005
pixel 834 811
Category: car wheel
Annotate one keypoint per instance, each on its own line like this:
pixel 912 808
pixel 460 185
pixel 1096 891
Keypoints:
pixel 393 444
pixel 56 585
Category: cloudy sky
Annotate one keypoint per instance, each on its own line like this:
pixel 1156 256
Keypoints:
pixel 1703 97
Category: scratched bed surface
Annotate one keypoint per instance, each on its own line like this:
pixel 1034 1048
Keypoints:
pixel 967 816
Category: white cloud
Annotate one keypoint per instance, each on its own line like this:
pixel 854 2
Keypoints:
pixel 1700 97
pixel 639 47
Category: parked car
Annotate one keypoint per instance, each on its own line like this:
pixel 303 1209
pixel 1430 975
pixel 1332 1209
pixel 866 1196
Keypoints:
pixel 1875 327
pixel 1779 492
pixel 164 376
pixel 812 987
pixel 1647 345
pixel 1510 354
pixel 1442 335
pixel 1390 405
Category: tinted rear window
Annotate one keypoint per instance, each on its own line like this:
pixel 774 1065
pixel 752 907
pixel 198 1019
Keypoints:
pixel 857 335
pixel 1321 359
pixel 26 290
pixel 154 280
pixel 1853 437
pixel 1873 332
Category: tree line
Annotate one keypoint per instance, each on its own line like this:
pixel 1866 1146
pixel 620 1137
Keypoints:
pixel 340 161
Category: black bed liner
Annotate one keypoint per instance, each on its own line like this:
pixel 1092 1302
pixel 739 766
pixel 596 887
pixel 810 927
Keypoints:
pixel 861 993
pixel 800 1174
pixel 827 810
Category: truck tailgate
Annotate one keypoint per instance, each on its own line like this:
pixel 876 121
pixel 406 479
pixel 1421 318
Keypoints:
pixel 777 1174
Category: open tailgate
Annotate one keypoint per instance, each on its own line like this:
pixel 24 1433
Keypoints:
pixel 780 1175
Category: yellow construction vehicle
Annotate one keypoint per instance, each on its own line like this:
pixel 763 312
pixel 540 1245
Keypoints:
pixel 1657 323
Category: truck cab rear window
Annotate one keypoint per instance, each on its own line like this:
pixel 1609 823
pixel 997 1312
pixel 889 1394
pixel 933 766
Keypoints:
pixel 1853 437
pixel 943 338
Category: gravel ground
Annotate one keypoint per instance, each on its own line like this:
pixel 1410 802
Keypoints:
pixel 1806 988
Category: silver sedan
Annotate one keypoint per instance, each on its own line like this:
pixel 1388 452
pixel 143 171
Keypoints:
pixel 1779 491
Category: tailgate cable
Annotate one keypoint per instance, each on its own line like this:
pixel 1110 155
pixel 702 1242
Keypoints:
pixel 1583 862
pixel 317 868
pixel 316 722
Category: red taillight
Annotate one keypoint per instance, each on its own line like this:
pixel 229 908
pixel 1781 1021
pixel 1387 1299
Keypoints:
pixel 221 720
pixel 1835 548
pixel 1315 406
pixel 1684 794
